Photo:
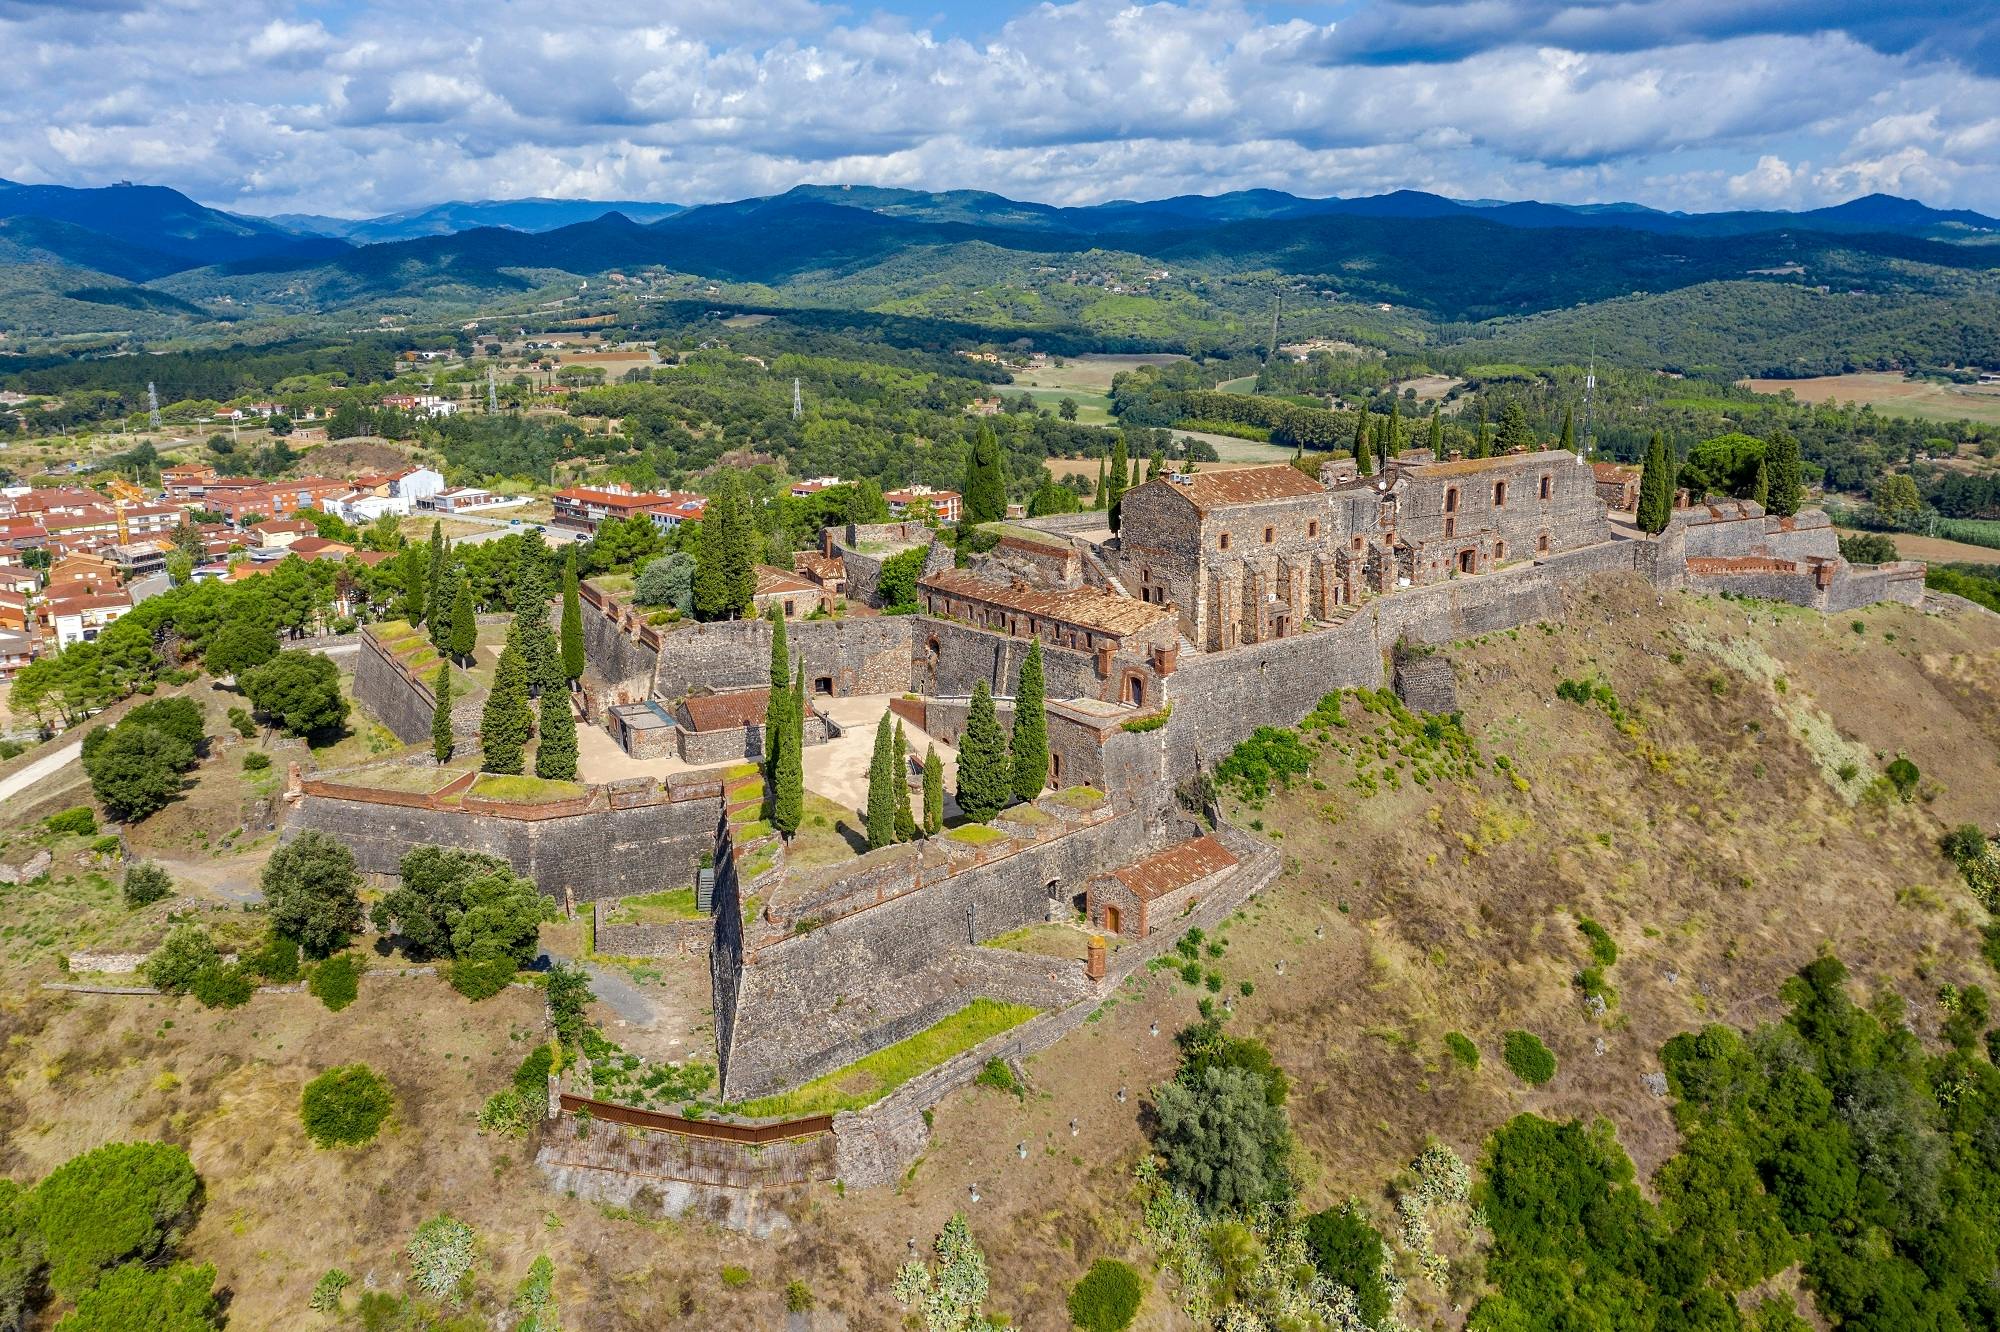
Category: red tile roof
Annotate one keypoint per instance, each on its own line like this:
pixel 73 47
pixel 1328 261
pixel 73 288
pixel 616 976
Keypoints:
pixel 1176 867
pixel 1208 491
pixel 723 712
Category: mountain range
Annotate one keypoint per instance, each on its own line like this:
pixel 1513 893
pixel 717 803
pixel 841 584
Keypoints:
pixel 73 254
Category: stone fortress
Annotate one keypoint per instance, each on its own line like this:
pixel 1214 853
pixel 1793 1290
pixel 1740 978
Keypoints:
pixel 1227 600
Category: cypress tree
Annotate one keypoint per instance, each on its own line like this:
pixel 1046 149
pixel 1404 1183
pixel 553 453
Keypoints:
pixel 777 713
pixel 464 625
pixel 1482 446
pixel 985 499
pixel 531 627
pixel 1158 463
pixel 415 563
pixel 906 825
pixel 881 817
pixel 1787 482
pixel 1437 432
pixel 711 574
pixel 1656 488
pixel 1116 481
pixel 504 726
pixel 781 654
pixel 572 620
pixel 1029 747
pixel 1392 442
pixel 1133 484
pixel 441 737
pixel 933 792
pixel 1760 484
pixel 440 603
pixel 434 574
pixel 555 756
pixel 788 803
pixel 985 777
pixel 745 545
pixel 1569 429
pixel 1363 462
pixel 1097 496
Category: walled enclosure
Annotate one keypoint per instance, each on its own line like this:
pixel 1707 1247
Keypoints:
pixel 405 703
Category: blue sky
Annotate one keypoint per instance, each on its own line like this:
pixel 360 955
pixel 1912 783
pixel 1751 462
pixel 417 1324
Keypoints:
pixel 353 107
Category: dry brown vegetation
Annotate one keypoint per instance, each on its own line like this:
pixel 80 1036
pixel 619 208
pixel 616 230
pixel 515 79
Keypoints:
pixel 1707 836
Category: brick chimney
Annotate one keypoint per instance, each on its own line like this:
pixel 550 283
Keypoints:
pixel 1094 966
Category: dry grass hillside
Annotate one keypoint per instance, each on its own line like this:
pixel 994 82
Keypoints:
pixel 1714 808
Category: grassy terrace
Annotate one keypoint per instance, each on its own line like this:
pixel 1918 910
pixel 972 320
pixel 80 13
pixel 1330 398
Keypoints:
pixel 524 789
pixel 660 908
pixel 975 834
pixel 1079 797
pixel 421 779
pixel 411 645
pixel 868 1079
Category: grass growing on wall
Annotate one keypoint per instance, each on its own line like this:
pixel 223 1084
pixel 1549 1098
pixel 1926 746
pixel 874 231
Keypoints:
pixel 528 790
pixel 868 1079
pixel 655 908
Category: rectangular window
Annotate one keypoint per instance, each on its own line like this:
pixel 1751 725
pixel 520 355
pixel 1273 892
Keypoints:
pixel 1222 542
pixel 1546 486
pixel 1312 528
pixel 1270 534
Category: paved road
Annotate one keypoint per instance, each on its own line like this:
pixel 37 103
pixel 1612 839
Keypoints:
pixel 44 767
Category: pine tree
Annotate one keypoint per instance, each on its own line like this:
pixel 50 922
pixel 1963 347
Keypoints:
pixel 1656 488
pixel 555 756
pixel 881 816
pixel 504 726
pixel 985 499
pixel 434 574
pixel 985 777
pixel 1787 483
pixel 1363 462
pixel 1437 432
pixel 788 802
pixel 1029 746
pixel 441 738
pixel 1116 493
pixel 906 825
pixel 1569 429
pixel 572 620
pixel 464 624
pixel 933 792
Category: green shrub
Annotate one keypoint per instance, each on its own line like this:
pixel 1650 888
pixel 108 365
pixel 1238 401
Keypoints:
pixel 798 1297
pixel 532 1077
pixel 136 1298
pixel 256 761
pixel 344 1106
pixel 1461 1048
pixel 240 719
pixel 336 981
pixel 1603 948
pixel 735 1276
pixel 1348 1252
pixel 998 1076
pixel 481 978
pixel 109 844
pixel 326 1291
pixel 277 960
pixel 508 1112
pixel 1530 1060
pixel 184 954
pixel 1903 775
pixel 223 986
pixel 78 822
pixel 146 883
pixel 125 1201
pixel 440 1255
pixel 1107 1298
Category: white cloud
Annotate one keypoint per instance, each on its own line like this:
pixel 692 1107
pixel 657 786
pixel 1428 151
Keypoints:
pixel 1071 102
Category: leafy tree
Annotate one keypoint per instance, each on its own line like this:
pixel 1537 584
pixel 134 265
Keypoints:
pixel 555 755
pixel 442 741
pixel 21 1256
pixel 569 1000
pixel 127 1201
pixel 135 769
pixel 1115 494
pixel 312 892
pixel 572 620
pixel 1050 499
pixel 1029 744
pixel 985 499
pixel 952 1296
pixel 180 718
pixel 1204 1045
pixel 425 906
pixel 240 645
pixel 1656 488
pixel 985 775
pixel 1222 1139
pixel 896 585
pixel 146 883
pixel 184 954
pixel 300 691
pixel 667 581
pixel 223 986
pixel 1787 479
pixel 1724 465
pixel 505 723
pixel 1107 1298
pixel 933 792
pixel 464 624
pixel 1348 1252
pixel 345 1106
pixel 1897 499
pixel 882 781
pixel 137 1298
pixel 336 982
pixel 501 919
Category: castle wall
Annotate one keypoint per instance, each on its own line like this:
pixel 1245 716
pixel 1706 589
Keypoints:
pixel 600 853
pixel 618 661
pixel 861 655
pixel 404 703
pixel 964 656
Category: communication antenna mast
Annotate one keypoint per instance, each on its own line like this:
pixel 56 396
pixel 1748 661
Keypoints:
pixel 152 404
pixel 798 401
pixel 492 393
pixel 1589 384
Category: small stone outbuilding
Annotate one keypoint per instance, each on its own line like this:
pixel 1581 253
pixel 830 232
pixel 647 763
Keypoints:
pixel 1158 890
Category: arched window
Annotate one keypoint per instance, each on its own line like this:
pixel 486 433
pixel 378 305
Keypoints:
pixel 1499 493
pixel 1548 486
pixel 1451 499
